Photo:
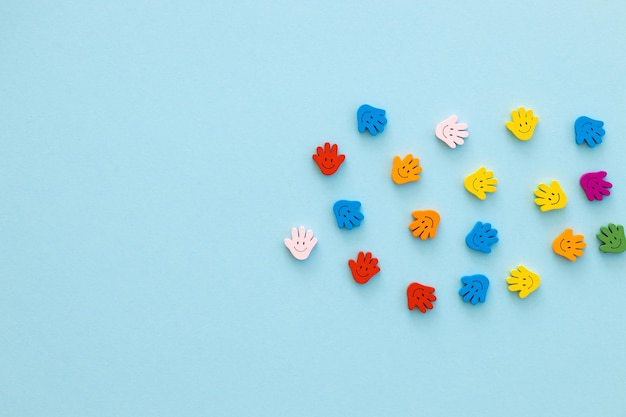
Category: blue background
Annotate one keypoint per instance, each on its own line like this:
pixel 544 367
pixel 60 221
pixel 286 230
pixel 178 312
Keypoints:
pixel 154 155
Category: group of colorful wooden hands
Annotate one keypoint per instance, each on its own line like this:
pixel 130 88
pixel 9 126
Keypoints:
pixel 482 236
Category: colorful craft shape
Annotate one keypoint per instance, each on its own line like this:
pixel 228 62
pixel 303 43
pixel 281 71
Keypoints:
pixel 523 280
pixel 364 268
pixel 588 131
pixel 425 224
pixel 406 169
pixel 523 123
pixel 420 296
pixel 568 245
pixel 595 186
pixel 481 237
pixel 327 159
pixel 348 214
pixel 612 238
pixel 550 197
pixel 371 118
pixel 451 133
pixel 480 182
pixel 301 243
pixel 474 289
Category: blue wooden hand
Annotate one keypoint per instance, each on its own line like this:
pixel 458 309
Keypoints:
pixel 348 214
pixel 588 131
pixel 481 237
pixel 474 288
pixel 371 118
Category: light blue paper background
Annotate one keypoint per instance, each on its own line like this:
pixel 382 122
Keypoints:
pixel 154 155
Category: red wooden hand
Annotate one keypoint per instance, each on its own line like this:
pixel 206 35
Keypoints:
pixel 327 159
pixel 420 296
pixel 364 268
